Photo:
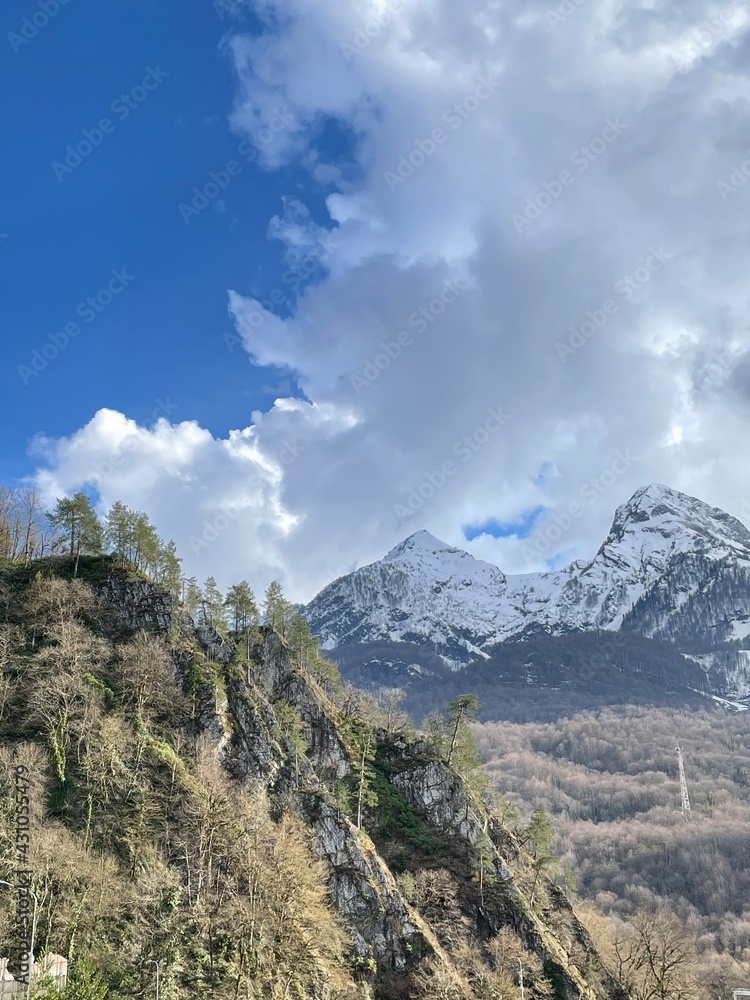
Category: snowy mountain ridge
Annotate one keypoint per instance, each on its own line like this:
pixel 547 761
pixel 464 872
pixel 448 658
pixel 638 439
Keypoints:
pixel 427 592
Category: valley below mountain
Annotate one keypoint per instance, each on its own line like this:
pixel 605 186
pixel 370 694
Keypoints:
pixel 609 779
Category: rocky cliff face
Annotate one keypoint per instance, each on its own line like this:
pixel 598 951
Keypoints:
pixel 363 889
pixel 134 604
pixel 671 568
pixel 390 936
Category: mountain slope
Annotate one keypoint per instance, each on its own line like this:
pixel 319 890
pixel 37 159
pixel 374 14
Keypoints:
pixel 422 589
pixel 197 801
pixel 671 568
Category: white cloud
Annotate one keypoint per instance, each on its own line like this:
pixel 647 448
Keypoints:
pixel 517 100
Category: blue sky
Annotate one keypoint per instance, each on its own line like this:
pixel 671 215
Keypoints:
pixel 160 341
pixel 522 527
pixel 534 219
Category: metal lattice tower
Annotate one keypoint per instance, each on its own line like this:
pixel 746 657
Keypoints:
pixel 683 787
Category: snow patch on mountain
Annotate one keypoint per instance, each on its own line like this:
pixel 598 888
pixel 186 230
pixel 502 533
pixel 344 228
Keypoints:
pixel 428 592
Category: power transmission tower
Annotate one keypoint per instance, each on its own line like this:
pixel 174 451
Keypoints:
pixel 683 787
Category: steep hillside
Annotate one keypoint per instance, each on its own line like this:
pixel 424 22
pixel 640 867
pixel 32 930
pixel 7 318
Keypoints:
pixel 209 803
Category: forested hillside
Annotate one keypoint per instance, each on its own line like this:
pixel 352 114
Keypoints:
pixel 141 848
pixel 541 679
pixel 205 794
pixel 609 780
pixel 207 798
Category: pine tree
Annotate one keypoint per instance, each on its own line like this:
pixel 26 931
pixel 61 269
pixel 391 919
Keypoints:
pixel 147 543
pixel 118 530
pixel 77 519
pixel 292 729
pixel 325 672
pixel 286 617
pixel 539 837
pixel 362 739
pixel 273 605
pixel 461 711
pixel 540 833
pixel 212 606
pixel 169 568
pixel 241 605
pixel 244 614
pixel 192 595
pixel 85 983
pixel 301 640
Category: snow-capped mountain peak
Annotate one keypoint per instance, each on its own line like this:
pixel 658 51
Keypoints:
pixel 425 591
pixel 420 542
pixel 681 522
pixel 412 591
pixel 424 554
pixel 651 530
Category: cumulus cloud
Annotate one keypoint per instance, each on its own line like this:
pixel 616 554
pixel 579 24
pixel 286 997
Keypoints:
pixel 533 224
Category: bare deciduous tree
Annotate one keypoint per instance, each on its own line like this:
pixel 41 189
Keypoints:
pixel 655 958
pixel 146 676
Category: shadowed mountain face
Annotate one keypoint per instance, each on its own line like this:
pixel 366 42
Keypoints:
pixel 671 579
